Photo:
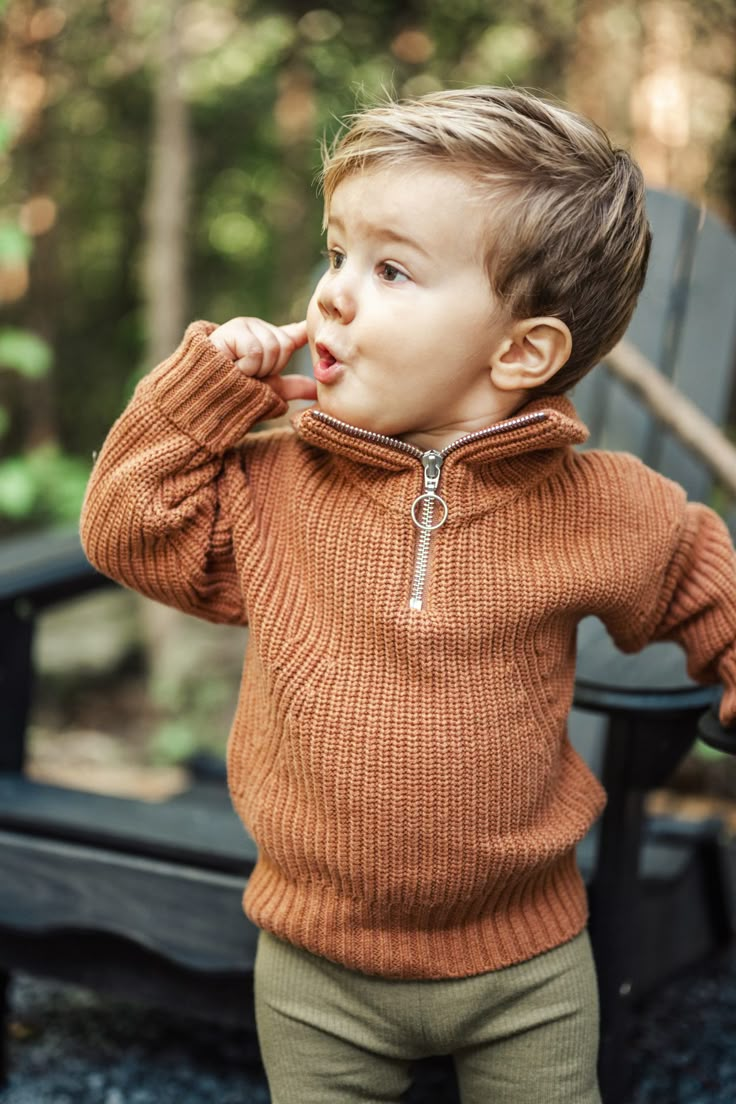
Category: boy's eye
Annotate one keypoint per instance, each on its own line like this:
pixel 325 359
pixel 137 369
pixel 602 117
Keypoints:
pixel 335 258
pixel 391 274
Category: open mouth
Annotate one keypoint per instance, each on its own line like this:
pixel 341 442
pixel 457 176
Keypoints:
pixel 328 368
pixel 325 356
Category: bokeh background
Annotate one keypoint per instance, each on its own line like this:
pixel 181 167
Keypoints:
pixel 157 164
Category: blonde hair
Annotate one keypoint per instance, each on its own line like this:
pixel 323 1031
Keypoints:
pixel 568 233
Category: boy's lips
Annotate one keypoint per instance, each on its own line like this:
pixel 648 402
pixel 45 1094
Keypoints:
pixel 328 367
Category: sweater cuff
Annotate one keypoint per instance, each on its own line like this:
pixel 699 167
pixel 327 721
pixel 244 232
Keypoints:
pixel 200 389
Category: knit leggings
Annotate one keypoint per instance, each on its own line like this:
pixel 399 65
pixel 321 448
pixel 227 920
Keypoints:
pixel 527 1034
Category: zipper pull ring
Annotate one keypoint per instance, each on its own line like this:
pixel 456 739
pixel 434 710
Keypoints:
pixel 432 462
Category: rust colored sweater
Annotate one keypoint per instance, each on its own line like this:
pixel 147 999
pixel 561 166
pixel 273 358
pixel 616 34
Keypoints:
pixel 405 771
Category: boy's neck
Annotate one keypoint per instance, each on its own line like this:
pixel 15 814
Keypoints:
pixel 441 436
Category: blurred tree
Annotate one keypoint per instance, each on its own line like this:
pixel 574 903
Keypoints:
pixel 167 200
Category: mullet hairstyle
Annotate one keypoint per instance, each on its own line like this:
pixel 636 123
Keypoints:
pixel 568 235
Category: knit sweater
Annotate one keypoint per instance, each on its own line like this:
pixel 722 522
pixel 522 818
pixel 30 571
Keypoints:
pixel 399 751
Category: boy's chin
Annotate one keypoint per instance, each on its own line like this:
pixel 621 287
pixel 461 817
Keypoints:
pixel 330 403
pixel 356 418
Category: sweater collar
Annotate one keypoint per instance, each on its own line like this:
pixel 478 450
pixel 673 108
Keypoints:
pixel 542 424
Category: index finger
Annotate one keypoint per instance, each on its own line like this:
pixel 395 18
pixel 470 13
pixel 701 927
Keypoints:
pixel 296 331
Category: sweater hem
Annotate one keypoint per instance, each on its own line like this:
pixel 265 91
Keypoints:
pixel 451 941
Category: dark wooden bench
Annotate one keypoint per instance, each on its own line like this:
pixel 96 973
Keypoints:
pixel 139 898
pixel 143 899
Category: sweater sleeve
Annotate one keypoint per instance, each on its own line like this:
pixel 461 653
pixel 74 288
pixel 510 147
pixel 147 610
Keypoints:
pixel 695 603
pixel 156 515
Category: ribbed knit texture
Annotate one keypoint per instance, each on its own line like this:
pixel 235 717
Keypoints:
pixel 524 1035
pixel 406 773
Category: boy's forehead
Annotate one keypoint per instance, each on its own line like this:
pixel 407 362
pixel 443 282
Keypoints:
pixel 373 189
pixel 404 201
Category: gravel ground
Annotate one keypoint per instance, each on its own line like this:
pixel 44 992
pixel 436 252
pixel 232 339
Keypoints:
pixel 69 1046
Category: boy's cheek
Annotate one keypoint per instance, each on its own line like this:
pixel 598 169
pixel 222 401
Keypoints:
pixel 313 311
pixel 313 318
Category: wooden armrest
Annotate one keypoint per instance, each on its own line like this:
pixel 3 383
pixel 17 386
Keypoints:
pixel 712 732
pixel 44 568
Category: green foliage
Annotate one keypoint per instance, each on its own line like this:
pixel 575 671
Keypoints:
pixel 174 742
pixel 253 47
pixel 44 487
pixel 15 245
pixel 24 352
pixel 197 714
pixel 7 127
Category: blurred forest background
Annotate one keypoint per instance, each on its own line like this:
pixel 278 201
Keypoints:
pixel 157 160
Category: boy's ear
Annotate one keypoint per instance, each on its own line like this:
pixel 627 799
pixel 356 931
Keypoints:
pixel 531 353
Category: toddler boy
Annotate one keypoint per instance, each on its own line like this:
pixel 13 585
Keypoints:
pixel 413 558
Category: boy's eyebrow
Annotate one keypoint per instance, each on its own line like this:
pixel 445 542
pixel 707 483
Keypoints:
pixel 385 233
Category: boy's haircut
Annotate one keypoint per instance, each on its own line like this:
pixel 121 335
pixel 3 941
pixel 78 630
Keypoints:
pixel 568 232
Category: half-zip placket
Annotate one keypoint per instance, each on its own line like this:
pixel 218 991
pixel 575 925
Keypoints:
pixel 424 505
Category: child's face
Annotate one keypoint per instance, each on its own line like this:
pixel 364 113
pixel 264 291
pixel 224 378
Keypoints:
pixel 403 324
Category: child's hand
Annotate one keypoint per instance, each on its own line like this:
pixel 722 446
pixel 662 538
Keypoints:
pixel 263 350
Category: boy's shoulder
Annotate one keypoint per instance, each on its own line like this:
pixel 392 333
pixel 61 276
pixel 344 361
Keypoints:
pixel 273 445
pixel 269 446
pixel 267 438
pixel 621 483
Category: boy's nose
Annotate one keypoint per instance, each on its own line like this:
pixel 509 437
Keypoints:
pixel 335 299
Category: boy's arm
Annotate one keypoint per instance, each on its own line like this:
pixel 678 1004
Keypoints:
pixel 694 603
pixel 157 515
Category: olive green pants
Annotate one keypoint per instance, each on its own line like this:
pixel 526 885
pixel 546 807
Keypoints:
pixel 527 1034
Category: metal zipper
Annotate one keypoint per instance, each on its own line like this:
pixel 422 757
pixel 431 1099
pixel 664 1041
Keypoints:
pixel 432 462
pixel 367 434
